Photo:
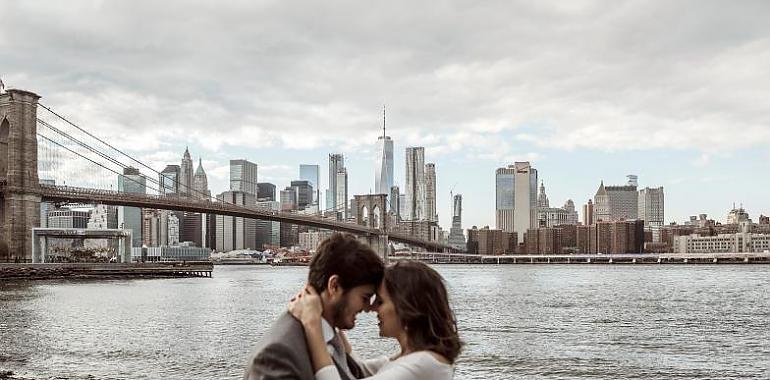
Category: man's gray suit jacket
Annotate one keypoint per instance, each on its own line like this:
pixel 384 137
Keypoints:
pixel 282 353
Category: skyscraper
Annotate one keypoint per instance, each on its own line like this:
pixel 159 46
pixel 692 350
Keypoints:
pixel 516 198
pixel 235 232
pixel 266 191
pixel 169 180
pixel 243 176
pixel 651 210
pixel 305 191
pixel 312 174
pixel 572 215
pixel 341 194
pixel 504 187
pixel 130 218
pixel 186 175
pixel 430 192
pixel 288 199
pixel 415 184
pixel 336 162
pixel 201 182
pixel 268 231
pixel 394 202
pixel 456 236
pixel 588 213
pixel 542 198
pixel 614 203
pixel 383 161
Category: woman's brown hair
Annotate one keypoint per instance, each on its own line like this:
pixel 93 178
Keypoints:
pixel 422 305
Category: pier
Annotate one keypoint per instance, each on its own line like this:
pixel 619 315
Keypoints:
pixel 47 271
pixel 631 258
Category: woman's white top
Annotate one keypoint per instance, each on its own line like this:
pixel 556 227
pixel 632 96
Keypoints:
pixel 419 365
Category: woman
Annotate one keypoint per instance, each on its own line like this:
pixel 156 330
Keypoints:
pixel 412 306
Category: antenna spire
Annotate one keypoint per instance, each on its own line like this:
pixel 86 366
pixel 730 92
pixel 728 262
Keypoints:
pixel 383 122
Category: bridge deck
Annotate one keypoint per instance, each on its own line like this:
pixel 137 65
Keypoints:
pixel 57 193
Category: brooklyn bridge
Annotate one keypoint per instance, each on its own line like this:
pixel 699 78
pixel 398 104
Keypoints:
pixel 26 136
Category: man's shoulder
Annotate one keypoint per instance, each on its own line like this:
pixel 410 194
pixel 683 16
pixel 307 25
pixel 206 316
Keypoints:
pixel 282 352
pixel 286 330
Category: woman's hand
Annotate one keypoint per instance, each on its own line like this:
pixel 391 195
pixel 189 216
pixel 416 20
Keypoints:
pixel 306 306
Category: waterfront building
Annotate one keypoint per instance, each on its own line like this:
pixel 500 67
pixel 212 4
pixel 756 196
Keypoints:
pixel 613 203
pixel 243 176
pixel 722 243
pixel 312 174
pixel 266 191
pixel 341 194
pixel 64 217
pixel 159 228
pixel 185 185
pixel 289 235
pixel 651 210
pixel 430 192
pixel 169 180
pixel 543 241
pixel 180 252
pixel 304 193
pixel 336 163
pixel 201 182
pixel 309 241
pixel 288 199
pixel 415 184
pixel 614 237
pixel 588 213
pixel 236 232
pixel 196 228
pixel 103 217
pixel 486 241
pixel 268 231
pixel 456 238
pixel 130 218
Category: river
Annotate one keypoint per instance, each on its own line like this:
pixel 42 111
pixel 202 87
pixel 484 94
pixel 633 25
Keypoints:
pixel 518 322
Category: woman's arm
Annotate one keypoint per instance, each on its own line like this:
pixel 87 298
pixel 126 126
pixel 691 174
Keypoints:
pixel 307 308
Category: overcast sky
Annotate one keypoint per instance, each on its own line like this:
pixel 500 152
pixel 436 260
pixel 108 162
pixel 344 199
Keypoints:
pixel 677 92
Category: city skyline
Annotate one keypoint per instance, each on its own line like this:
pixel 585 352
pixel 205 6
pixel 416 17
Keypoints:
pixel 606 93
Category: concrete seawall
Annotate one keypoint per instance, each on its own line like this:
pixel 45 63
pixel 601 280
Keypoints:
pixel 577 259
pixel 49 271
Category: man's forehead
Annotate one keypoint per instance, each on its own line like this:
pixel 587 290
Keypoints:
pixel 364 290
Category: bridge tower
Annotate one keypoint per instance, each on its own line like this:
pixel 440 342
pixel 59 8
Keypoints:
pixel 371 211
pixel 20 205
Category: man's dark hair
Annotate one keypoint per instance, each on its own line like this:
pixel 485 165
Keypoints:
pixel 344 255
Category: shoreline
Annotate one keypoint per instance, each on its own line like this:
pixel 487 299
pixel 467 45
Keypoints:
pixel 64 271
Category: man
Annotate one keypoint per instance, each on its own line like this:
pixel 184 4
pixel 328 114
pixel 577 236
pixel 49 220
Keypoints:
pixel 345 272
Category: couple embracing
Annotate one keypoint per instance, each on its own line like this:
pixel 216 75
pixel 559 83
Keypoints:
pixel 345 278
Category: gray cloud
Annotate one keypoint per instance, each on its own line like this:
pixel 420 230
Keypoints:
pixel 598 75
